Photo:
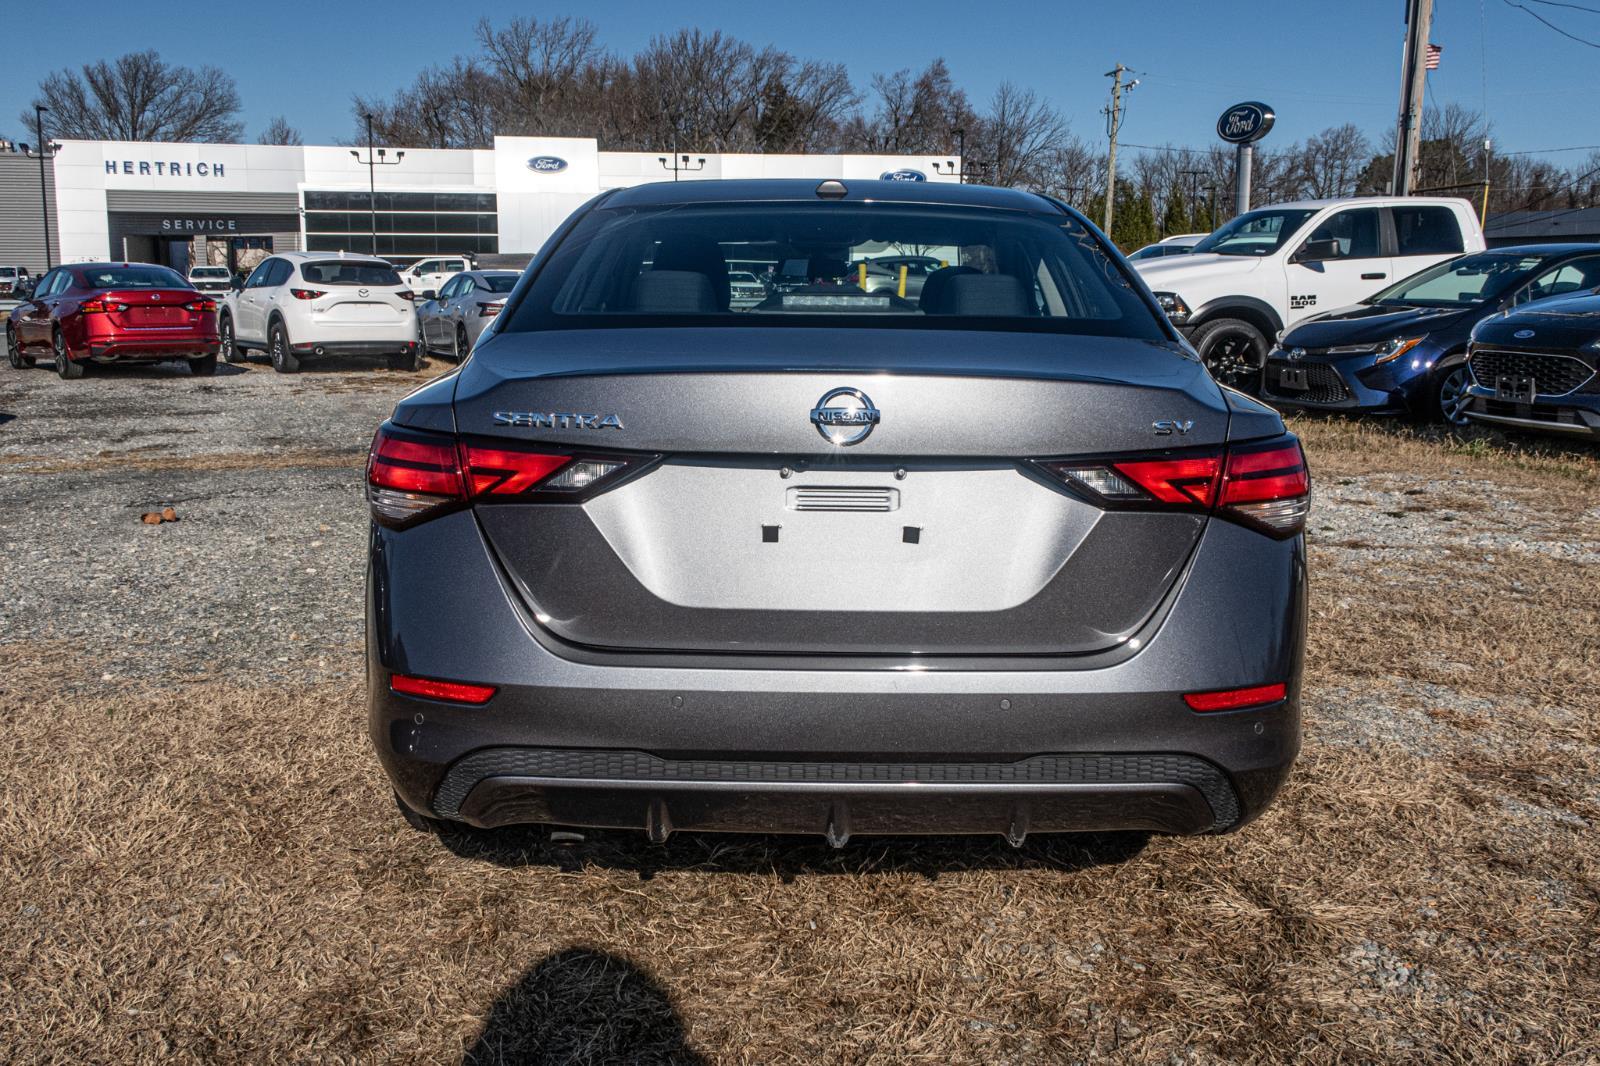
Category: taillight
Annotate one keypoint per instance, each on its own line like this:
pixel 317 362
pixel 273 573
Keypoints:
pixel 411 474
pixel 1264 485
pixel 100 305
pixel 201 306
pixel 306 294
pixel 448 691
pixel 489 310
pixel 406 294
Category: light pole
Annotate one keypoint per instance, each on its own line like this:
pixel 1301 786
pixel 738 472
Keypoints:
pixel 676 165
pixel 373 161
pixel 961 154
pixel 44 196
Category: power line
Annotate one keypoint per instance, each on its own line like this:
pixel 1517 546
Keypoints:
pixel 1546 151
pixel 1575 7
pixel 1552 25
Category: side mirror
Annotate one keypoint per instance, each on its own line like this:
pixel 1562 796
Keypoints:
pixel 429 294
pixel 1317 251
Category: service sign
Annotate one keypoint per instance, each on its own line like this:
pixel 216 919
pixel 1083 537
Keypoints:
pixel 1246 122
pixel 547 164
pixel 902 175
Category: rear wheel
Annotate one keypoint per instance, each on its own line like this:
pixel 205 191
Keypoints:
pixel 230 351
pixel 1450 394
pixel 203 367
pixel 14 351
pixel 283 360
pixel 1234 351
pixel 64 365
pixel 463 346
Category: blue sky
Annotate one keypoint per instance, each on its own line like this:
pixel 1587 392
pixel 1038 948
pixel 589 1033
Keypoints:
pixel 1318 64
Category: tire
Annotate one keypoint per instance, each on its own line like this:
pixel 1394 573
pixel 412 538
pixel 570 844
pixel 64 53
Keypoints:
pixel 407 361
pixel 230 350
pixel 1233 351
pixel 463 346
pixel 203 367
pixel 14 351
pixel 420 822
pixel 68 370
pixel 1447 392
pixel 283 360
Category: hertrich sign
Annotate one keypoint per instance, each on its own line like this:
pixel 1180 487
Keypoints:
pixel 162 168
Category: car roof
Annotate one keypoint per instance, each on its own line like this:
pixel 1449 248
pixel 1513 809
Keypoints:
pixel 318 257
pixel 1361 201
pixel 1550 248
pixel 804 190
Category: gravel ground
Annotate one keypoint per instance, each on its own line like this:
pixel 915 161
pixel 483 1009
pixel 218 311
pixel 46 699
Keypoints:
pixel 259 579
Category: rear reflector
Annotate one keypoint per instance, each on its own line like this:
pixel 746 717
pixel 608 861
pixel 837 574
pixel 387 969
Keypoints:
pixel 1234 699
pixel 448 691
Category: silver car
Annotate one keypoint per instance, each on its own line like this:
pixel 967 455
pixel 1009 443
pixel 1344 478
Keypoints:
pixel 1002 558
pixel 449 321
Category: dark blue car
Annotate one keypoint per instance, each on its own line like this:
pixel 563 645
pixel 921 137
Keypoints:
pixel 1404 351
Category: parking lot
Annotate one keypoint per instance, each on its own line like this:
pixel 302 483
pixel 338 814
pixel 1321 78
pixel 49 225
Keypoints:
pixel 204 862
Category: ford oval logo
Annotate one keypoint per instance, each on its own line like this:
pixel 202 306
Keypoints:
pixel 1523 334
pixel 547 164
pixel 844 416
pixel 902 175
pixel 1246 122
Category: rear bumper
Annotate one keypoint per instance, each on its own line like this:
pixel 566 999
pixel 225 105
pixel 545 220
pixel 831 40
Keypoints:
pixel 337 347
pixel 139 349
pixel 734 746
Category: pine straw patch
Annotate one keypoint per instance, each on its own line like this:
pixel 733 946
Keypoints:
pixel 207 872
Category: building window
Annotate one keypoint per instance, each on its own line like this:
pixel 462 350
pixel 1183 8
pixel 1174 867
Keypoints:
pixel 409 224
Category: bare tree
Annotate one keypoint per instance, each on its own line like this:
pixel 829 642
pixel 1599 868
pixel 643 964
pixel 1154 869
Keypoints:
pixel 279 131
pixel 540 66
pixel 137 97
pixel 1019 137
pixel 1332 160
pixel 913 114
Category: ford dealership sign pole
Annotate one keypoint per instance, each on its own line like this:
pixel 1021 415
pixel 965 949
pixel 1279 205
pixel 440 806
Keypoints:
pixel 1243 125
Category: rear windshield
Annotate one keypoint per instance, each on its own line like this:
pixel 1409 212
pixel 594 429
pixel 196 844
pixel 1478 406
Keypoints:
pixel 348 272
pixel 835 264
pixel 209 272
pixel 132 277
pixel 500 282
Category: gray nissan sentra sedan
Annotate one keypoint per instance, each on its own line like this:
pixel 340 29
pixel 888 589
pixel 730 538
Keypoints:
pixel 999 557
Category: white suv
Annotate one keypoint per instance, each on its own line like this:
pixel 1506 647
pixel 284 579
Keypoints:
pixel 1267 269
pixel 297 304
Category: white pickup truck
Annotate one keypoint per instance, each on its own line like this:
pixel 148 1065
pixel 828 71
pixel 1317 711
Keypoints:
pixel 1269 268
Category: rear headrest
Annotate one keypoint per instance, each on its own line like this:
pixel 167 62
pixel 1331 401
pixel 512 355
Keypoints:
pixel 991 295
pixel 702 255
pixel 934 286
pixel 674 292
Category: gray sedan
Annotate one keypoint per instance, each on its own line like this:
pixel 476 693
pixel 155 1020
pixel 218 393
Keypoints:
pixel 449 321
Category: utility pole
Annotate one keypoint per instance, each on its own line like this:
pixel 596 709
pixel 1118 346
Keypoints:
pixel 1113 124
pixel 1413 82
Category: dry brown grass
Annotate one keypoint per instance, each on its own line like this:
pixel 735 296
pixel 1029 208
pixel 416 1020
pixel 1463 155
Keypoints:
pixel 209 872
pixel 155 457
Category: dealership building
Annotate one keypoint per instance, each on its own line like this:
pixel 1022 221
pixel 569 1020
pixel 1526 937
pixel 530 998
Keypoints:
pixel 232 204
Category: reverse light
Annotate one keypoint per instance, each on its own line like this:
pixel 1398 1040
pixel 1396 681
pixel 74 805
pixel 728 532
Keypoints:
pixel 447 691
pixel 1235 699
pixel 1393 349
pixel 99 305
pixel 490 308
pixel 306 294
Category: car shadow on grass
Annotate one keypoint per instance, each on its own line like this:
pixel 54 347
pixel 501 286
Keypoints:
pixel 788 857
pixel 580 1005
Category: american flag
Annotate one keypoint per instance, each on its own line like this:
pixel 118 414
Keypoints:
pixel 1434 52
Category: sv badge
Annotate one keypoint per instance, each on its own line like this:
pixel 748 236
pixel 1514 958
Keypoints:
pixel 1167 427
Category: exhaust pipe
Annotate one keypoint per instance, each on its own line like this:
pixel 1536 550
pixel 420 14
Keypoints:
pixel 318 350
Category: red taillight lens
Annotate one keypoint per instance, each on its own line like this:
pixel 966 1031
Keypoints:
pixel 201 306
pixel 1190 479
pixel 100 305
pixel 448 691
pixel 306 294
pixel 1265 485
pixel 489 310
pixel 406 294
pixel 500 472
pixel 410 474
pixel 1234 699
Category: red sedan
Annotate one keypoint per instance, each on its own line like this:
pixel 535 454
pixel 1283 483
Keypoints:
pixel 113 313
